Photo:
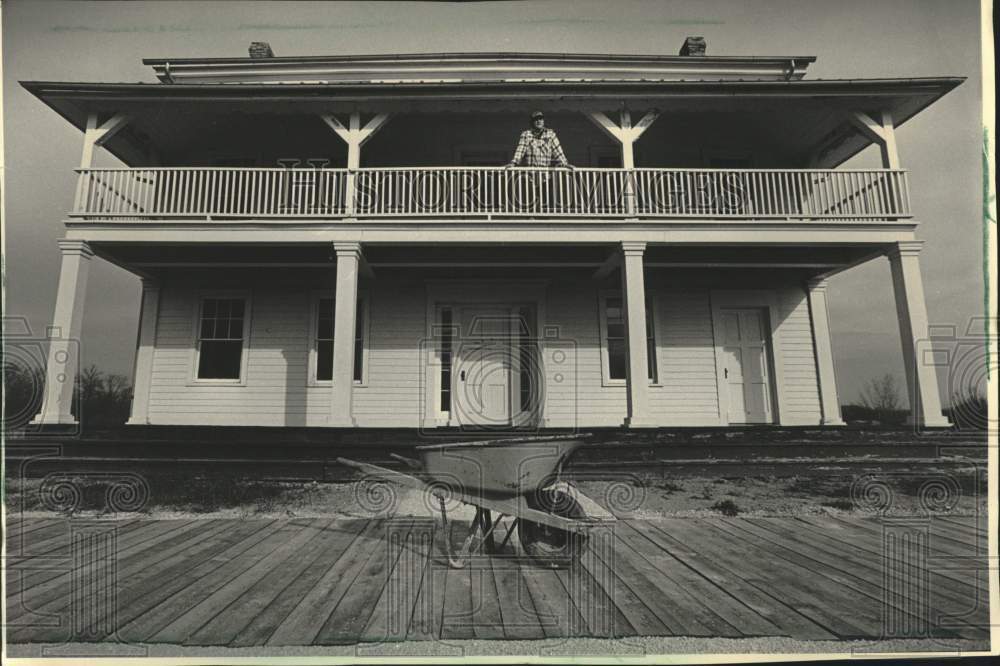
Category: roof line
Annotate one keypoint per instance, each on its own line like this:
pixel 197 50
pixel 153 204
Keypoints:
pixel 729 83
pixel 472 54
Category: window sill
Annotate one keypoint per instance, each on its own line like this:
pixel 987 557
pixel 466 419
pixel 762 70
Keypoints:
pixel 608 383
pixel 217 382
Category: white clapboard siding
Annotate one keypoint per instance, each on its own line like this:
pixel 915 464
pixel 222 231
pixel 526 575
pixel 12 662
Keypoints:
pixel 799 385
pixel 277 392
pixel 574 393
pixel 394 393
pixel 687 392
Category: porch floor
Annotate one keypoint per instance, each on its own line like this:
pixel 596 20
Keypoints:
pixel 341 581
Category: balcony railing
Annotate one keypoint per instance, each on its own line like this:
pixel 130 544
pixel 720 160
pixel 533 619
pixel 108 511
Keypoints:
pixel 488 192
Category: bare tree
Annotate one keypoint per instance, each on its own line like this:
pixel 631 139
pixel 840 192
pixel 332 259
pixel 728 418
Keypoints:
pixel 117 387
pixel 881 396
pixel 91 383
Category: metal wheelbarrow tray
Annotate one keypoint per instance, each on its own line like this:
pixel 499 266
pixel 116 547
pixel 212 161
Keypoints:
pixel 516 477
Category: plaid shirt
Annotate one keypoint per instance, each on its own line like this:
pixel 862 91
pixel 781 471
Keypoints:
pixel 539 151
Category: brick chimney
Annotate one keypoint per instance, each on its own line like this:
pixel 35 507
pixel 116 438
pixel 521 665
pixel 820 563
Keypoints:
pixel 693 46
pixel 261 50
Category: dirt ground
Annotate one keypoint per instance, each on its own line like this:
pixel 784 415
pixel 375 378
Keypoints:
pixel 922 489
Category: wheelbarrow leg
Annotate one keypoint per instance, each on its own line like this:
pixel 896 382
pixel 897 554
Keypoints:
pixel 486 523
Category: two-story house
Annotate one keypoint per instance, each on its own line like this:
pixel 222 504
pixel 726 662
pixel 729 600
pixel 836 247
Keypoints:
pixel 337 241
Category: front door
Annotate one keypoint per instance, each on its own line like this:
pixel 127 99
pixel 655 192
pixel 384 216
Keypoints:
pixel 483 372
pixel 745 365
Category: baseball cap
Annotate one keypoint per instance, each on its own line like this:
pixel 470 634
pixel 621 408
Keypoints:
pixel 537 114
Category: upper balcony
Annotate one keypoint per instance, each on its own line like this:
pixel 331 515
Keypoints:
pixel 653 138
pixel 491 193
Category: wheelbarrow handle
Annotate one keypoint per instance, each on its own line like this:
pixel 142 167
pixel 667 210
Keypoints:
pixel 409 462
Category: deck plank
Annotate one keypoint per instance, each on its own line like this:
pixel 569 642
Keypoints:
pixel 457 616
pixel 354 610
pixel 487 622
pixel 663 596
pixel 945 547
pixel 18 524
pixel 600 615
pixel 334 581
pixel 819 603
pixel 871 543
pixel 197 626
pixel 977 524
pixel 307 617
pixel 56 543
pixel 789 621
pixel 600 562
pixel 303 576
pixel 850 560
pixel 428 609
pixel 519 618
pixel 55 547
pixel 832 583
pixel 148 626
pixel 841 553
pixel 143 583
pixel 557 615
pixel 975 541
pixel 23 543
pixel 49 594
pixel 856 576
pixel 394 610
pixel 694 595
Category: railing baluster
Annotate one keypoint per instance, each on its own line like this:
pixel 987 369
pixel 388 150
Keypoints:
pixel 854 194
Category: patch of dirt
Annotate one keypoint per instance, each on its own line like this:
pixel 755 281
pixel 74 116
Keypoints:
pixel 918 491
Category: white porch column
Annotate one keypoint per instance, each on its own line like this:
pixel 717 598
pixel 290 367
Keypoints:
pixel 820 317
pixel 911 310
pixel 64 335
pixel 344 323
pixel 634 299
pixel 145 346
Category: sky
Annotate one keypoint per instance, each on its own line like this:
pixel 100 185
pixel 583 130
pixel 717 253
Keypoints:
pixel 105 41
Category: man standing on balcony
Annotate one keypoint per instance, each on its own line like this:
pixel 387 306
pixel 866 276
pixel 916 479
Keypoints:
pixel 539 147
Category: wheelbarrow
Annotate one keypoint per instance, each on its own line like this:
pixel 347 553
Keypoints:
pixel 515 478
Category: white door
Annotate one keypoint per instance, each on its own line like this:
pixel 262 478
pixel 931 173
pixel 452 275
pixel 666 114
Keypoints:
pixel 745 365
pixel 482 386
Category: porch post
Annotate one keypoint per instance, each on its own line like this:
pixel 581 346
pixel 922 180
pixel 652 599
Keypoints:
pixel 820 317
pixel 911 310
pixel 64 335
pixel 145 346
pixel 344 323
pixel 355 136
pixel 634 299
pixel 625 134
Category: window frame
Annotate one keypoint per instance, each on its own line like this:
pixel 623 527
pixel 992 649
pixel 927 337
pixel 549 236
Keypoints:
pixel 202 296
pixel 365 302
pixel 652 324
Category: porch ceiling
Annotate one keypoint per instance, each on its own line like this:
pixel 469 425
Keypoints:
pixel 154 259
pixel 813 111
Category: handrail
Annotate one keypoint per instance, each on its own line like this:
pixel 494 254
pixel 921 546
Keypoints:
pixel 455 191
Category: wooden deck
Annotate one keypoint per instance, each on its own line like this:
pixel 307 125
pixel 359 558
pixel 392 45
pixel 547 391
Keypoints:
pixel 323 581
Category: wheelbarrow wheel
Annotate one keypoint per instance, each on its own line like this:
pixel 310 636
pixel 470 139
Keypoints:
pixel 551 546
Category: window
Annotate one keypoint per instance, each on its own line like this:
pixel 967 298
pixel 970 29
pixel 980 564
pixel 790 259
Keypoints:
pixel 221 333
pixel 323 341
pixel 616 343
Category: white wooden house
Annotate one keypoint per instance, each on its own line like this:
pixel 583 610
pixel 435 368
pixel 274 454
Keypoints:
pixel 334 241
